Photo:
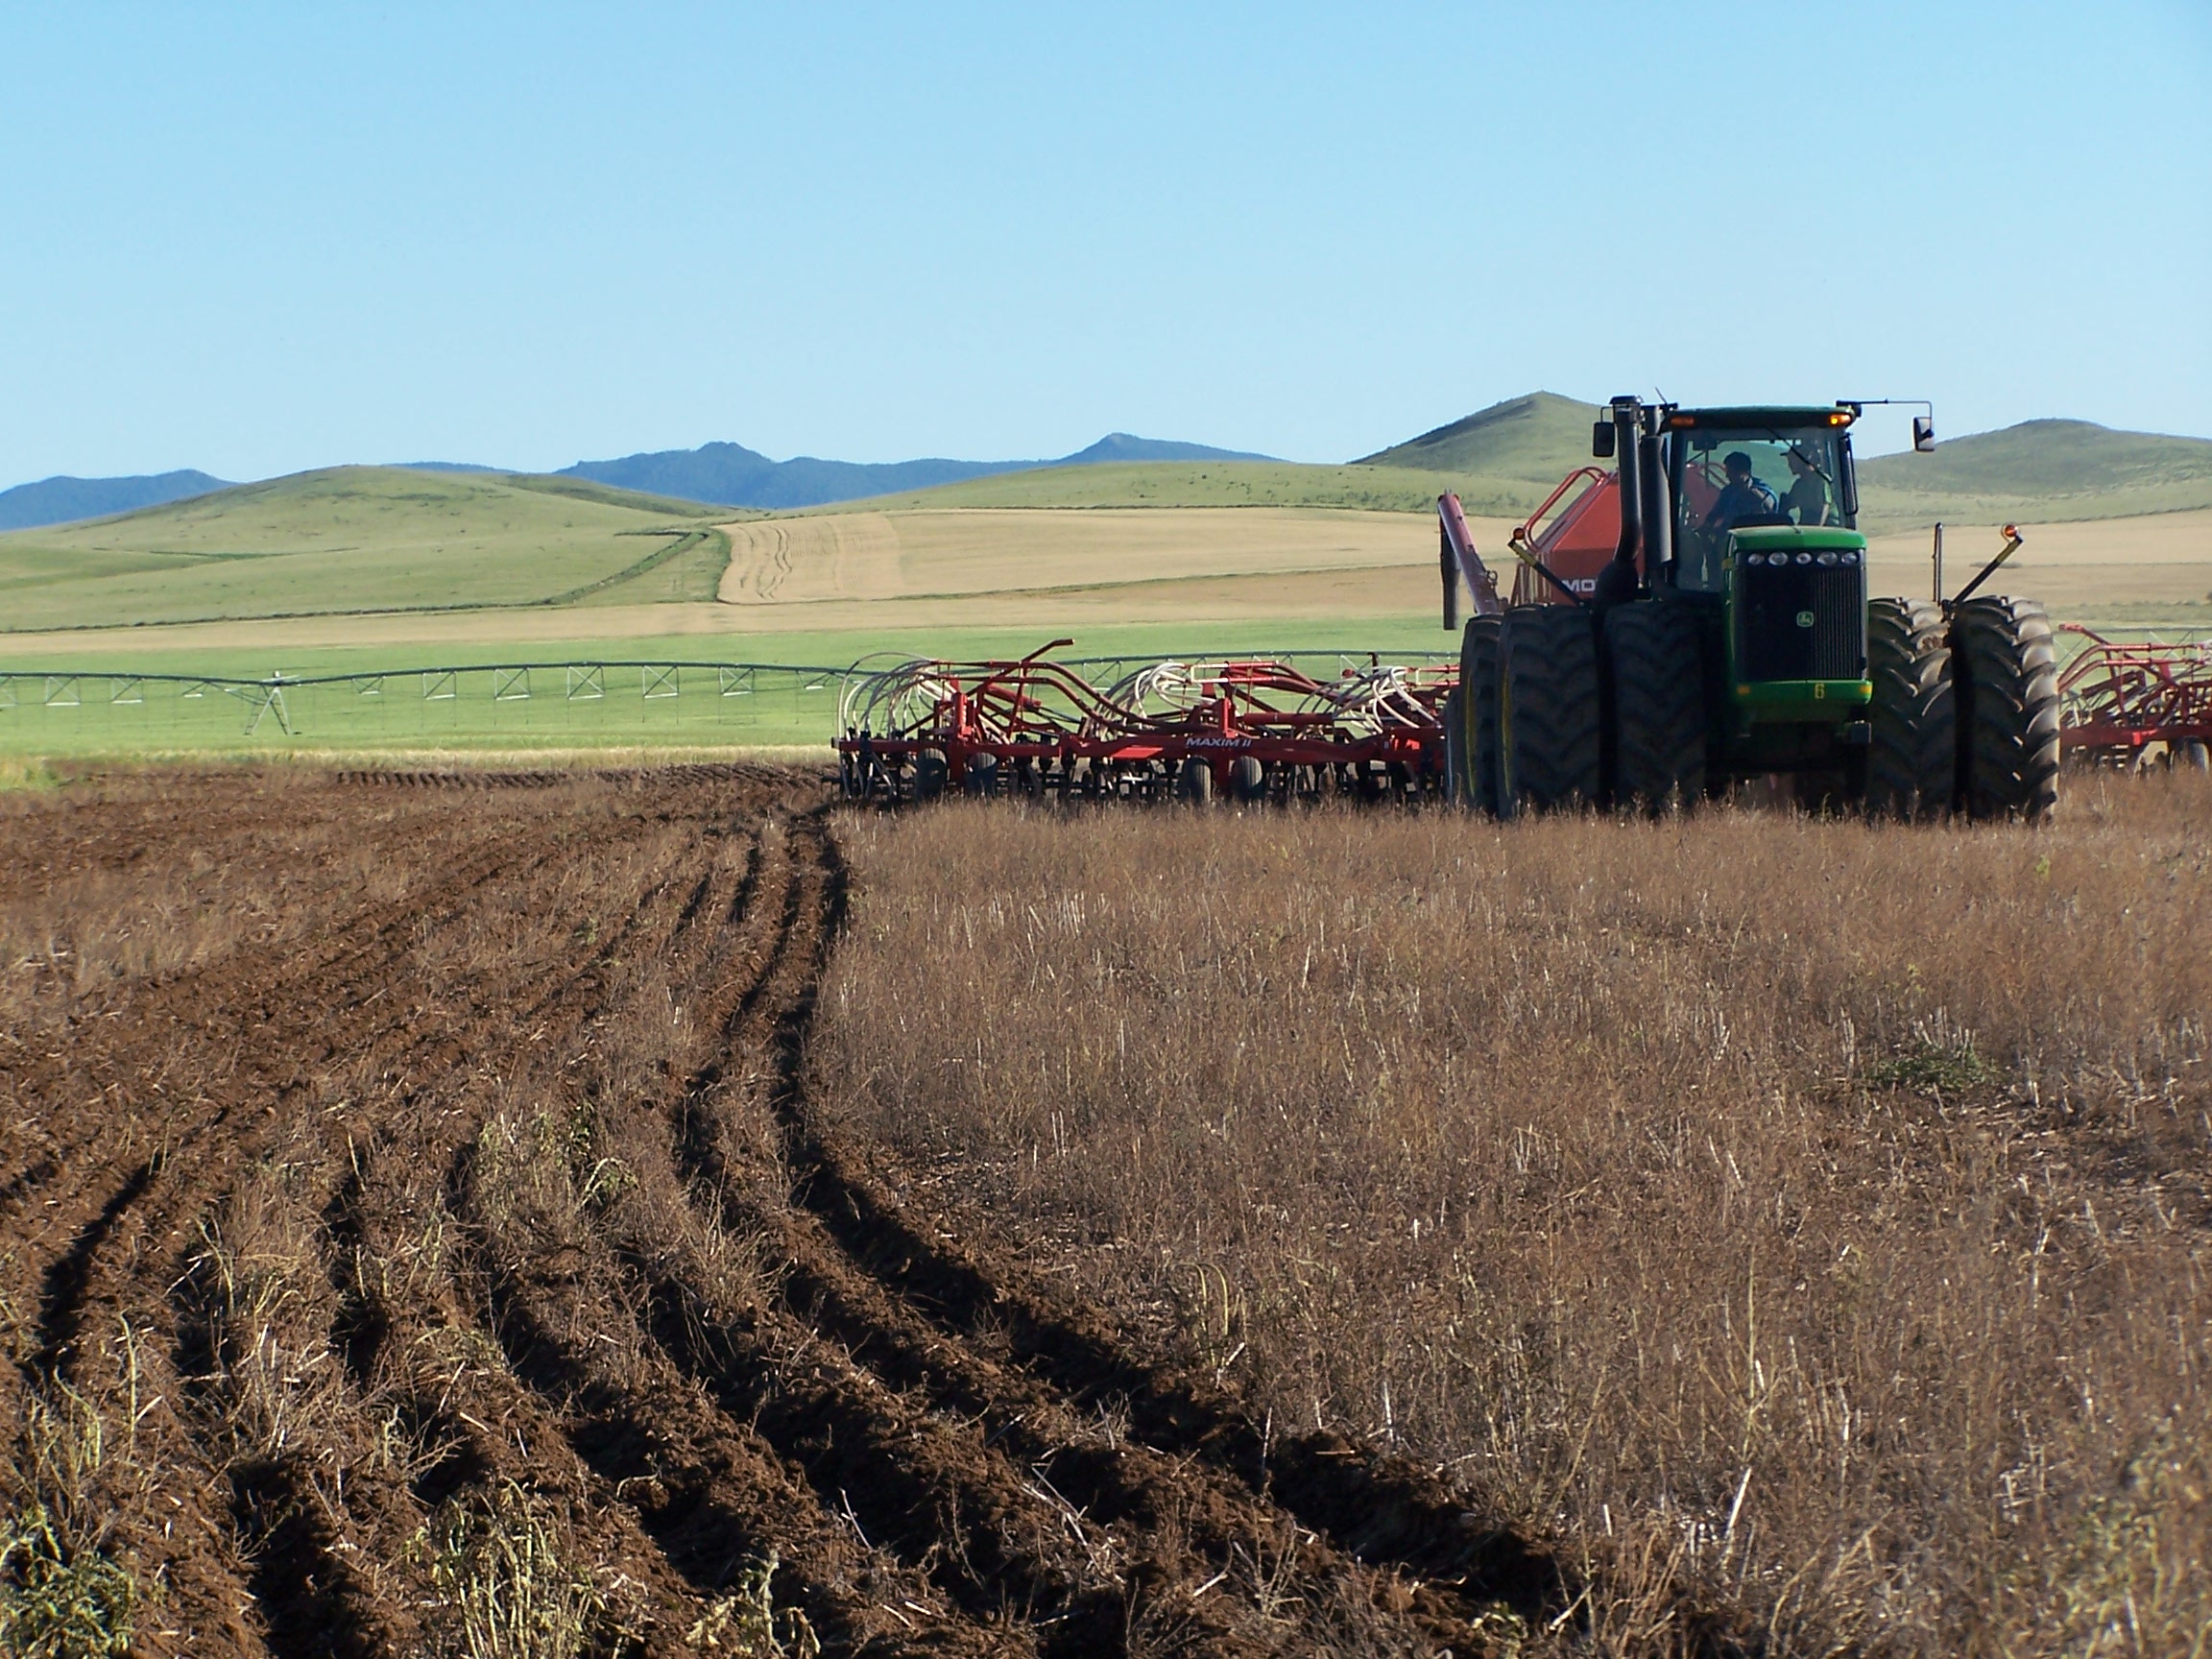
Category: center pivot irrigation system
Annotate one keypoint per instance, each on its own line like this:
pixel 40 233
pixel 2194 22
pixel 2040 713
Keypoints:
pixel 1692 618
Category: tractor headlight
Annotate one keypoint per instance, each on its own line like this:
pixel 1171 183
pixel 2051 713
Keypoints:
pixel 1804 558
pixel 1850 559
pixel 1827 558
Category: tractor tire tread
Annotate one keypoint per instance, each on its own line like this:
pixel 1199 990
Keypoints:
pixel 1911 759
pixel 1549 724
pixel 2005 659
pixel 1659 705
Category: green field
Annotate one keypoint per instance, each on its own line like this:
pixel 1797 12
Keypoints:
pixel 662 694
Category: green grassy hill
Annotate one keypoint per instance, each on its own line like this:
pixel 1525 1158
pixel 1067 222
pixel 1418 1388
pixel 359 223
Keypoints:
pixel 1537 440
pixel 356 538
pixel 2044 471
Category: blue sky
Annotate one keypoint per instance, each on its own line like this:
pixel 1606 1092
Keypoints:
pixel 259 239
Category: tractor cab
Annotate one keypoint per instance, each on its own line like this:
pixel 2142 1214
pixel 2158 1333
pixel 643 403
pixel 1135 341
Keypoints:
pixel 1731 470
pixel 1757 507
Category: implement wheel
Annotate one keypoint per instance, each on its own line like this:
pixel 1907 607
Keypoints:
pixel 929 775
pixel 1248 779
pixel 2006 670
pixel 1194 782
pixel 1479 711
pixel 1547 755
pixel 1659 706
pixel 1912 763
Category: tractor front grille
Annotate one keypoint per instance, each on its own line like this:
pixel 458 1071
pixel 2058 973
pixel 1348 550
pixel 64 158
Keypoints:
pixel 1801 622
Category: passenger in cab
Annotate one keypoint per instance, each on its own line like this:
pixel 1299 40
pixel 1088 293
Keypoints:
pixel 1808 502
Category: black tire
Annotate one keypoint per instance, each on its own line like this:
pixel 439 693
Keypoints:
pixel 1659 706
pixel 1547 754
pixel 1913 760
pixel 1478 709
pixel 1194 781
pixel 2005 667
pixel 929 775
pixel 1248 779
pixel 982 778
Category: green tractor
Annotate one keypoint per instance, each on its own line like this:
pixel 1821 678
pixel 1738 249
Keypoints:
pixel 1698 617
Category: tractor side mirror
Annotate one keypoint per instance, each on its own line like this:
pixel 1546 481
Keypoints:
pixel 1924 434
pixel 1601 440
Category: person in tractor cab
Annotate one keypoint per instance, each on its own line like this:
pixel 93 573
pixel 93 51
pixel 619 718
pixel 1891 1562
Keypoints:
pixel 1743 499
pixel 1808 501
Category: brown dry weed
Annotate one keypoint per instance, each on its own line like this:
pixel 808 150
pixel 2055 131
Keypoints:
pixel 1803 1227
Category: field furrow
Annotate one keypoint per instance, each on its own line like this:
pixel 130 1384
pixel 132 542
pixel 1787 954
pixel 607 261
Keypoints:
pixel 440 1206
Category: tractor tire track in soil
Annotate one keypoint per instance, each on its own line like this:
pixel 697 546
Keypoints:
pixel 496 1182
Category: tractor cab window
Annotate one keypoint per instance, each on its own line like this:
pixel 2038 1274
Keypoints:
pixel 1739 480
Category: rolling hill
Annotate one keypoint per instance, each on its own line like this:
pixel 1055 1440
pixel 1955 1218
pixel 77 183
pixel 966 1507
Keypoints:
pixel 357 539
pixel 2048 471
pixel 1539 438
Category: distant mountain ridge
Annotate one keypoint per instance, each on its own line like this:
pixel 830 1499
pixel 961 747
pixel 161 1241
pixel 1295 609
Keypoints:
pixel 60 499
pixel 732 475
pixel 1502 459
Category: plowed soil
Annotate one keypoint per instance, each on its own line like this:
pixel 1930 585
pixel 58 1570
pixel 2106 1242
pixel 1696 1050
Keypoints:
pixel 383 1156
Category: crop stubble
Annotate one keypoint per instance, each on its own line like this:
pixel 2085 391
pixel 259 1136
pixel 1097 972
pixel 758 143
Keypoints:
pixel 1801 1227
pixel 414 1208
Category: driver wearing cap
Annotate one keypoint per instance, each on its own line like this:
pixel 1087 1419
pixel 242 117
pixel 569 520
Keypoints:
pixel 1742 497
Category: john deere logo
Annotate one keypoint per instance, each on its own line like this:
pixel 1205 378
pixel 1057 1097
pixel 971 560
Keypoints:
pixel 1804 619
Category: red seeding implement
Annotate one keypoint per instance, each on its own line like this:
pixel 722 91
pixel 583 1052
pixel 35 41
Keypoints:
pixel 2129 701
pixel 1243 730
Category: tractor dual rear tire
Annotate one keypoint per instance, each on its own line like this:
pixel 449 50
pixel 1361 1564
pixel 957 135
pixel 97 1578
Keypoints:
pixel 1659 707
pixel 1547 713
pixel 1912 757
pixel 2005 664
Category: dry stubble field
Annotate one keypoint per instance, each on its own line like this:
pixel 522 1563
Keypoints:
pixel 492 1219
